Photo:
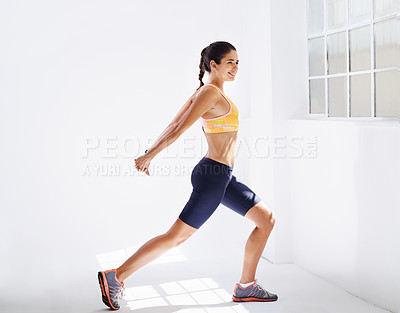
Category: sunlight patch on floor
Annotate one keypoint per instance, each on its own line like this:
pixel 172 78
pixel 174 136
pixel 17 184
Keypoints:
pixel 184 296
pixel 194 295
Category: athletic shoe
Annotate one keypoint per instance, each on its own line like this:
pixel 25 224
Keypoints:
pixel 254 292
pixel 111 289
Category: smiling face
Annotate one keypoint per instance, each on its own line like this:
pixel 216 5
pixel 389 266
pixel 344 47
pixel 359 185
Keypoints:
pixel 228 67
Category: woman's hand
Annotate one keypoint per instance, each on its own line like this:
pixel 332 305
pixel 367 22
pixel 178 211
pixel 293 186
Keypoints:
pixel 143 163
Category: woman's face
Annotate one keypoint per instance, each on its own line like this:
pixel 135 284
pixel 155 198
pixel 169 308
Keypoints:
pixel 229 66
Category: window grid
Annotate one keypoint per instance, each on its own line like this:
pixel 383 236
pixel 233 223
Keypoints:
pixel 347 61
pixel 326 56
pixel 372 71
pixel 372 40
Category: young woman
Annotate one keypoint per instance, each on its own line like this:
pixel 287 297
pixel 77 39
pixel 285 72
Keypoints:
pixel 212 180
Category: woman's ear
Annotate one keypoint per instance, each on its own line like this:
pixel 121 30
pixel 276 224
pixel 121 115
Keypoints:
pixel 213 64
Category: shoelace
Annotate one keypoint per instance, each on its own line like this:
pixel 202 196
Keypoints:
pixel 121 293
pixel 260 287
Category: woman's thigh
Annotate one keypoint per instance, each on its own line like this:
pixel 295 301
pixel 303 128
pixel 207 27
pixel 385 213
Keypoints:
pixel 209 179
pixel 239 197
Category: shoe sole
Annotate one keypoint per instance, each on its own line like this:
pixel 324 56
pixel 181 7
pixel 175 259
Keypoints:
pixel 104 291
pixel 251 299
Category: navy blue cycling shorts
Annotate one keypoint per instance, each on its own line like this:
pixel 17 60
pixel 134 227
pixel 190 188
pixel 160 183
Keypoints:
pixel 213 183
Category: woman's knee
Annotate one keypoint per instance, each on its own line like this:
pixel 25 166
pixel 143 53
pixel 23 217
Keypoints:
pixel 261 216
pixel 268 221
pixel 272 219
pixel 179 232
pixel 176 238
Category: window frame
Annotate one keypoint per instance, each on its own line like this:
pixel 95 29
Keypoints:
pixel 372 71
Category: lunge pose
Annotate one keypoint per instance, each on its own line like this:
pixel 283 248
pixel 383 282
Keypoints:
pixel 212 180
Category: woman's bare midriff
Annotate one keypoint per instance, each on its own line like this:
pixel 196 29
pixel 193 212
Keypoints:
pixel 222 147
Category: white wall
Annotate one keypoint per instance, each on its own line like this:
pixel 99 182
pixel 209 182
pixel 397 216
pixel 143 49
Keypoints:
pixel 277 92
pixel 346 204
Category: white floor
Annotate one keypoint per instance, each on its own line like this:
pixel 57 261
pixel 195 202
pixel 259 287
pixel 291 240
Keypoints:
pixel 192 279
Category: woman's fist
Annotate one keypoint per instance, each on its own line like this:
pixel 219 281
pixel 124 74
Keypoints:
pixel 143 163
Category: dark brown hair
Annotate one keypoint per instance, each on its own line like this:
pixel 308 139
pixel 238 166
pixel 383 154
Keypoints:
pixel 215 51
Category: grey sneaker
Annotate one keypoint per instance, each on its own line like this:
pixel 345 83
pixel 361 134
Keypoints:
pixel 254 292
pixel 111 289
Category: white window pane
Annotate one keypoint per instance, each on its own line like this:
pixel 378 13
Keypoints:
pixel 337 59
pixel 316 56
pixel 359 11
pixel 337 95
pixel 387 93
pixel 385 7
pixel 360 95
pixel 387 43
pixel 336 10
pixel 315 12
pixel 360 48
pixel 317 96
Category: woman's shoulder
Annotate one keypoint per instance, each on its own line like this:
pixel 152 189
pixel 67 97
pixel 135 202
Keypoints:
pixel 205 90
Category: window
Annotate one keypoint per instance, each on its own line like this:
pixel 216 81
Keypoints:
pixel 354 58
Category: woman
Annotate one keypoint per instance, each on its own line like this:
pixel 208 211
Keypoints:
pixel 212 180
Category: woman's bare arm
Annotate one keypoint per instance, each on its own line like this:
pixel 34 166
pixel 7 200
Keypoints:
pixel 178 116
pixel 202 102
pixel 184 108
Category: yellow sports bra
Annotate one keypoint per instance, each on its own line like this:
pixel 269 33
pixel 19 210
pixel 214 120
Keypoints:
pixel 224 123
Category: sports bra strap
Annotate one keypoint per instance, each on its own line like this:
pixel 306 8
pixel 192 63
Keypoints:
pixel 221 93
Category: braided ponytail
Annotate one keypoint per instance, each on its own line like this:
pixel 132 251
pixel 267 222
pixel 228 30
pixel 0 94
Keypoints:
pixel 202 67
pixel 215 51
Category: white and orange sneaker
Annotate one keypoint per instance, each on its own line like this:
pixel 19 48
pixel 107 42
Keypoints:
pixel 111 289
pixel 254 292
